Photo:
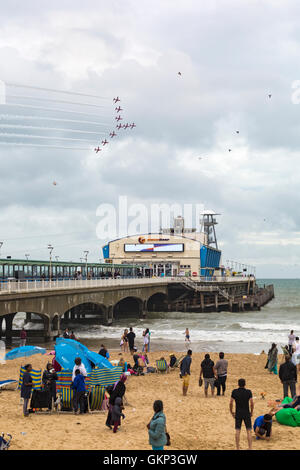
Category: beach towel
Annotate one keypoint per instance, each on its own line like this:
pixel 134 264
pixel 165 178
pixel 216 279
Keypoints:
pixel 36 376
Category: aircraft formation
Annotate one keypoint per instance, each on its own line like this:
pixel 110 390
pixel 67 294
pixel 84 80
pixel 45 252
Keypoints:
pixel 119 125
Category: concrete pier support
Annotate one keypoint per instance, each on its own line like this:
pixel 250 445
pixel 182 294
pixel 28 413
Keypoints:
pixel 8 330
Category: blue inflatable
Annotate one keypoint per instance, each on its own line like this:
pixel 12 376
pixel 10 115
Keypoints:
pixel 66 351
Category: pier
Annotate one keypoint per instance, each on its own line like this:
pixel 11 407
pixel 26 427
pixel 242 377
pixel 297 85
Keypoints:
pixel 56 304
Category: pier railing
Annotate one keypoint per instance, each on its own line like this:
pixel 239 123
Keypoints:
pixel 7 287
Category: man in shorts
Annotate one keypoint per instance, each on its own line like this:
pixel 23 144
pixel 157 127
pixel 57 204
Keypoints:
pixel 207 370
pixel 242 397
pixel 185 371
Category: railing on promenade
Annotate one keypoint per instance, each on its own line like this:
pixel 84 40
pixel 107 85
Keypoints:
pixel 8 286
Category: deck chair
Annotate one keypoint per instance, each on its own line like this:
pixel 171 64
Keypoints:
pixel 96 397
pixel 178 362
pixel 5 443
pixel 9 385
pixel 162 366
pixel 36 378
pixel 65 400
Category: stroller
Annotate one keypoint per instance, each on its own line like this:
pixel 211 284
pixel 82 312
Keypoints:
pixel 4 444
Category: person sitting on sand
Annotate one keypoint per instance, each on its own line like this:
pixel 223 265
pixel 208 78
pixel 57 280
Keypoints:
pixel 173 360
pixel 263 427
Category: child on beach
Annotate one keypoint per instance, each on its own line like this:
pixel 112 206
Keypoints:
pixel 79 388
pixel 117 413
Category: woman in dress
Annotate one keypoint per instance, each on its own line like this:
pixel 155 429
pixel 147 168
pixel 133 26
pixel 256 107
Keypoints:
pixel 273 359
pixel 146 340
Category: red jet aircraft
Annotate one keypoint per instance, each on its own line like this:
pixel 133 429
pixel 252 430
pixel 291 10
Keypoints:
pixel 104 142
pixel 116 99
pixel 119 126
pixel 119 118
pixel 118 109
pixel 98 149
pixel 112 134
pixel 126 126
pixel 132 125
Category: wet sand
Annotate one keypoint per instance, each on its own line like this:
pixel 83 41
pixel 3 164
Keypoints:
pixel 194 422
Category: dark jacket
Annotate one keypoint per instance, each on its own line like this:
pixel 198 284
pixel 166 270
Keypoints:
pixel 79 383
pixel 118 392
pixel 26 385
pixel 116 412
pixel 185 366
pixel 287 372
pixel 157 431
pixel 49 381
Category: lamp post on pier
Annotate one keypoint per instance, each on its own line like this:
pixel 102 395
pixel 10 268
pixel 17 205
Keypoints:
pixel 86 257
pixel 50 248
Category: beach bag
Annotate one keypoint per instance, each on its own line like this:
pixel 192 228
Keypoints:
pixel 200 382
pixel 151 369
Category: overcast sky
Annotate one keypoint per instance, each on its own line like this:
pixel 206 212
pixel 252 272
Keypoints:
pixel 231 55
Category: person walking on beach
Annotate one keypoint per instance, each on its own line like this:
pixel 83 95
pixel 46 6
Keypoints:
pixel 273 359
pixel 26 388
pixel 146 335
pixel 207 370
pixel 116 414
pixel 23 336
pixel 131 337
pixel 124 341
pixel 288 377
pixel 242 398
pixel 220 371
pixel 187 337
pixel 291 341
pixel 185 371
pixel 157 427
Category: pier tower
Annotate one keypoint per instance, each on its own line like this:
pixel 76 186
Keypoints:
pixel 208 223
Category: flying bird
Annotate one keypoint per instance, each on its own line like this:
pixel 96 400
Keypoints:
pixel 98 149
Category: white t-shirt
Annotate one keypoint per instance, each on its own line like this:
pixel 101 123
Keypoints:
pixel 146 338
pixel 292 339
pixel 297 348
pixel 82 371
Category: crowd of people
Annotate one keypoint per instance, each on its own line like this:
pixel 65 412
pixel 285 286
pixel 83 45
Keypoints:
pixel 212 375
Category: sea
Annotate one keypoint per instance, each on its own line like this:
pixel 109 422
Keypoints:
pixel 238 332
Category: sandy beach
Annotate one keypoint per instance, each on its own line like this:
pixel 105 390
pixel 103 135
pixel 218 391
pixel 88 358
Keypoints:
pixel 193 422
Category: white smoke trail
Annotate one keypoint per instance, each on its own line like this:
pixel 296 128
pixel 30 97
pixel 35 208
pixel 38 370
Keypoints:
pixel 22 144
pixel 56 91
pixel 48 109
pixel 19 126
pixel 30 136
pixel 21 116
pixel 57 101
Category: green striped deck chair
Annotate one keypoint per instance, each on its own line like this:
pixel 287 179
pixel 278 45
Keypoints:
pixel 105 377
pixel 96 397
pixel 162 366
pixel 36 378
